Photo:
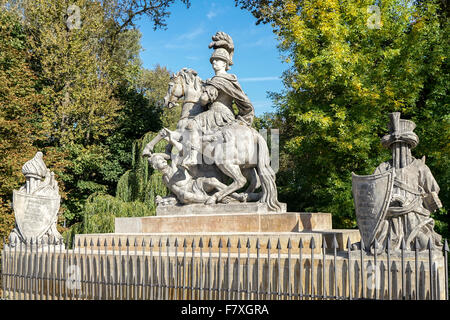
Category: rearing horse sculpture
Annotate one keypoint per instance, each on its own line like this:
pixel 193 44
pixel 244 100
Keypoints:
pixel 236 149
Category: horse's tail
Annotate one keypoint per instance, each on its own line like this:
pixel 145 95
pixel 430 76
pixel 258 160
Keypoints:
pixel 267 177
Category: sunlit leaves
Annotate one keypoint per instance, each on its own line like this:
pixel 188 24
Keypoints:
pixel 346 75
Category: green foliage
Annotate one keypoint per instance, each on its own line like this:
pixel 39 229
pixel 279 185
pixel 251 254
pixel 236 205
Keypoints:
pixel 135 195
pixel 344 80
pixel 141 183
pixel 79 95
pixel 18 101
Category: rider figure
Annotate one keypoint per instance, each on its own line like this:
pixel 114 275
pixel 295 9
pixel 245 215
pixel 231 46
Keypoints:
pixel 219 94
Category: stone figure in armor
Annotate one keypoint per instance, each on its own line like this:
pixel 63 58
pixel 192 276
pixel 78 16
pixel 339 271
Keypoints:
pixel 218 96
pixel 36 205
pixel 215 145
pixel 414 194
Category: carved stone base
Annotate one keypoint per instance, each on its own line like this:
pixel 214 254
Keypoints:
pixel 226 222
pixel 229 208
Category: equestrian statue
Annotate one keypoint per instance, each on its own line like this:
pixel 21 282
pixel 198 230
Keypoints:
pixel 220 158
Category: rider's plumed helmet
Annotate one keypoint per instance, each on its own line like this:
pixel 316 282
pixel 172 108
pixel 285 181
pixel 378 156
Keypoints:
pixel 223 48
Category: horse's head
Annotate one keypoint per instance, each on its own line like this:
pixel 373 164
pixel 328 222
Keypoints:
pixel 183 84
pixel 174 92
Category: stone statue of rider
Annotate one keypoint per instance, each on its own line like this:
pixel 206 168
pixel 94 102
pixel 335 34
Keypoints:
pixel 219 94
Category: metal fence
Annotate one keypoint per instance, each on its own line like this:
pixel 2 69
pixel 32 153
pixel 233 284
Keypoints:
pixel 158 268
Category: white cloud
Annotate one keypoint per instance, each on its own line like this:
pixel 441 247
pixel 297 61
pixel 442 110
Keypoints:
pixel 172 45
pixel 257 79
pixel 192 34
pixel 262 42
pixel 212 12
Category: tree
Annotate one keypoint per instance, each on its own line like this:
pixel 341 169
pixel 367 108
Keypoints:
pixel 87 76
pixel 348 71
pixel 138 187
pixel 18 103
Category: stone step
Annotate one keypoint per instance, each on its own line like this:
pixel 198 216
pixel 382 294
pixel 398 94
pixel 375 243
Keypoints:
pixel 250 222
pixel 234 237
pixel 341 237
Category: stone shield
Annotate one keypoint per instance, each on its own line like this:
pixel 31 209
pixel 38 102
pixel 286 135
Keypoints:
pixel 371 195
pixel 34 214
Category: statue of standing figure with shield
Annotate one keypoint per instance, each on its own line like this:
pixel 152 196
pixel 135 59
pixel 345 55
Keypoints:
pixel 395 203
pixel 36 205
pixel 214 142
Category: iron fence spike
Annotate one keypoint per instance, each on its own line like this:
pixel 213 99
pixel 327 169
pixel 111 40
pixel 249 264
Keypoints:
pixel 168 243
pixel 42 241
pixel 91 243
pixel 445 245
pixel 210 245
pixel 300 244
pixel 135 242
pixel 127 243
pixel 363 245
pixel 200 243
pixel 403 244
pixel 175 244
pixel 278 244
pixel 143 242
pixel 228 243
pixel 324 243
pixel 334 243
pixel 151 244
pixel 105 243
pixel 85 242
pixel 289 244
pixel 160 243
pixel 220 243
pixel 49 240
pixel 430 266
pixel 184 243
pixel 113 243
pixel 31 240
pixel 248 243
pixel 312 243
pixel 258 245
pixel 193 243
pixel 269 245
pixel 98 242
pixel 349 244
pixel 119 244
pixel 239 243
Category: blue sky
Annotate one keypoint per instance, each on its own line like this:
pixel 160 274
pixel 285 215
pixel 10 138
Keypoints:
pixel 257 61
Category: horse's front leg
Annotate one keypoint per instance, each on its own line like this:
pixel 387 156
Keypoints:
pixel 239 181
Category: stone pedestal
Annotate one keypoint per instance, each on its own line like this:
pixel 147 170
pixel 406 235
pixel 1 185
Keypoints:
pixel 225 225
pixel 226 222
pixel 220 208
